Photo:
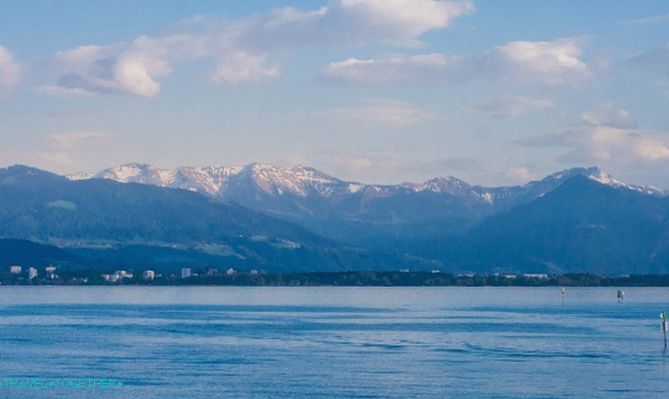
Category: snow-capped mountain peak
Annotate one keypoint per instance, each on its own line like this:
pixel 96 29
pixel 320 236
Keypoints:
pixel 296 180
pixel 453 186
pixel 450 185
pixel 604 178
pixel 601 177
pixel 129 173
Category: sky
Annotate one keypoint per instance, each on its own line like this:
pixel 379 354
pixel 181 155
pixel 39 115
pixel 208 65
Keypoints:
pixel 378 91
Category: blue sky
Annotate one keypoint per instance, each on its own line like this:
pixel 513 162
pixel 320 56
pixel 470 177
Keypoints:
pixel 376 90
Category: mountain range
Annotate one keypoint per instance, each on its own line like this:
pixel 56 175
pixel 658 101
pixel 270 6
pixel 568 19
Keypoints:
pixel 358 213
pixel 106 223
pixel 298 219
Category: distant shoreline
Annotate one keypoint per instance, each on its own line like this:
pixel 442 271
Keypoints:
pixel 349 279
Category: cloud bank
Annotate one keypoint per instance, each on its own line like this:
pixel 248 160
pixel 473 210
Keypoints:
pixel 10 72
pixel 524 62
pixel 612 134
pixel 608 134
pixel 241 48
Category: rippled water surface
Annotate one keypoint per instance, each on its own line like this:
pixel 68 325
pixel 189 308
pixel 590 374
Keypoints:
pixel 219 342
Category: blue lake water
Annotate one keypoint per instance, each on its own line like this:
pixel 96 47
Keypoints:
pixel 220 342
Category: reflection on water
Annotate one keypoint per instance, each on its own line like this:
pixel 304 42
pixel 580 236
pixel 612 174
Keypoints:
pixel 214 342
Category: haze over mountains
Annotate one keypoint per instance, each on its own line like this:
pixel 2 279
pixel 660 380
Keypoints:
pixel 299 218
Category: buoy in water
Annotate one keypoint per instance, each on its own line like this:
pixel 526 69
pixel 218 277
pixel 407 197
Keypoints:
pixel 665 327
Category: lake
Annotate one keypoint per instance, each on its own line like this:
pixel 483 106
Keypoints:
pixel 329 342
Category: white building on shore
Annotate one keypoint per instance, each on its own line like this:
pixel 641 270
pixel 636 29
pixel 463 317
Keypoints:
pixel 149 275
pixel 51 272
pixel 32 273
pixel 118 276
pixel 537 276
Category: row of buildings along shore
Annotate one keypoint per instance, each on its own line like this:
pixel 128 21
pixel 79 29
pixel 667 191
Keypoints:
pixel 50 272
pixel 32 274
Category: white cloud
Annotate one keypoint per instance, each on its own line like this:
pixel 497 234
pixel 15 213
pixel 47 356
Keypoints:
pixel 609 116
pixel 411 17
pixel 241 47
pixel 512 105
pixel 607 135
pixel 352 23
pixel 622 145
pixel 553 62
pixel 121 68
pixel 240 67
pixel 59 147
pixel 400 70
pixel 136 75
pixel 10 72
pixel 397 20
pixel 520 174
pixel 379 112
pixel 550 63
pixel 652 149
pixel 610 134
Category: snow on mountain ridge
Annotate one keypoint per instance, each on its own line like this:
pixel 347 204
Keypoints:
pixel 129 173
pixel 296 179
pixel 305 181
pixel 212 180
pixel 81 176
pixel 604 178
